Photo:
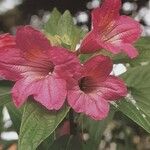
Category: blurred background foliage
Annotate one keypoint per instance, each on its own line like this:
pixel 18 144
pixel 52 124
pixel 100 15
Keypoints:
pixel 20 12
pixel 121 133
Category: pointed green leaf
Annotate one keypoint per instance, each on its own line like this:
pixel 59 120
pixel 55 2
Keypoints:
pixel 15 115
pixel 69 33
pixel 136 105
pixel 77 35
pixel 137 115
pixel 5 99
pixel 37 124
pixel 65 25
pixel 5 88
pixel 45 145
pixel 60 30
pixel 52 25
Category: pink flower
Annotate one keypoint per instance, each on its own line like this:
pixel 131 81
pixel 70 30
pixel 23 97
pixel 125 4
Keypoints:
pixel 111 31
pixel 94 88
pixel 6 40
pixel 39 69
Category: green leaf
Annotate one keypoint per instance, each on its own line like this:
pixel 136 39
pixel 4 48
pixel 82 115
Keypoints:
pixel 143 47
pixel 67 142
pixel 65 25
pixel 60 29
pixel 52 24
pixel 37 124
pixel 136 105
pixel 76 35
pixel 5 99
pixel 138 116
pixel 1 119
pixel 5 88
pixel 69 33
pixel 15 115
pixel 45 145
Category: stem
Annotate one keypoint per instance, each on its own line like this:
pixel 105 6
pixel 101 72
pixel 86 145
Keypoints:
pixel 73 130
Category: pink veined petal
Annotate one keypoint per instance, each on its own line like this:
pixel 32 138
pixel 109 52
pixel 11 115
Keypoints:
pixel 15 62
pixel 112 89
pixel 93 106
pixel 21 90
pixel 98 67
pixel 7 74
pixel 28 38
pixel 130 50
pixel 103 15
pixel 6 40
pixel 50 92
pixel 67 64
pixel 93 42
pixel 101 104
pixel 61 55
pixel 13 66
pixel 116 48
pixel 126 29
pixel 34 49
pixel 10 62
pixel 90 43
pixel 125 32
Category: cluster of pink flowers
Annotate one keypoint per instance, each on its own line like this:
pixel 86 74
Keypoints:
pixel 53 75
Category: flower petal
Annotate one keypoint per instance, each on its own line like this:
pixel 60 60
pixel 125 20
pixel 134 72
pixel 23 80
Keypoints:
pixel 13 66
pixel 10 61
pixel 130 50
pixel 90 43
pixel 50 92
pixel 28 38
pixel 112 89
pixel 92 105
pixel 126 29
pixel 6 41
pixel 103 15
pixel 21 90
pixel 61 55
pixel 34 47
pixel 98 67
pixel 66 62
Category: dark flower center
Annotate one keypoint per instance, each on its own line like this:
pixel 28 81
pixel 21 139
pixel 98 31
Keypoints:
pixel 51 68
pixel 87 84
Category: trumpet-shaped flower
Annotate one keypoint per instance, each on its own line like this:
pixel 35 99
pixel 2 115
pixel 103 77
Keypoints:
pixel 39 69
pixel 94 88
pixel 111 31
